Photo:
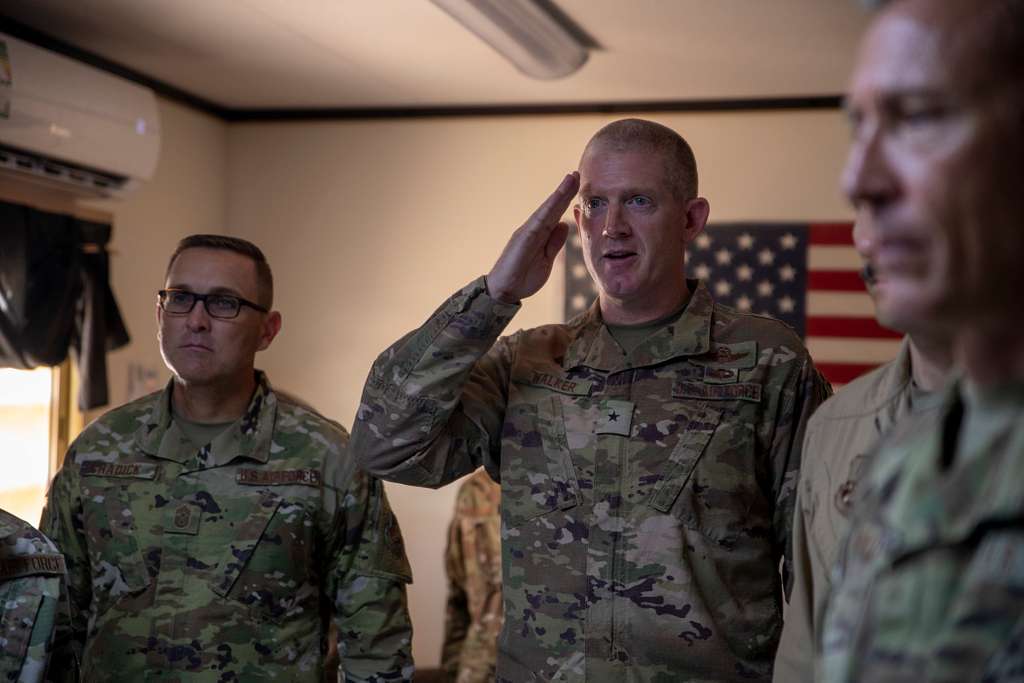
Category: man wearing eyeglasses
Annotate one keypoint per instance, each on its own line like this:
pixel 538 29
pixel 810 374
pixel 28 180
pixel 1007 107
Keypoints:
pixel 212 529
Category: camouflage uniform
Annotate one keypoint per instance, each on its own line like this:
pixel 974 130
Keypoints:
pixel 929 585
pixel 32 602
pixel 225 563
pixel 473 562
pixel 646 499
pixel 839 437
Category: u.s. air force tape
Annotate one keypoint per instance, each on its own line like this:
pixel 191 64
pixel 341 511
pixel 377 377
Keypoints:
pixel 253 477
pixel 32 565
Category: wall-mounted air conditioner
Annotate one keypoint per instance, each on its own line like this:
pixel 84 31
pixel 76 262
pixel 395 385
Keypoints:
pixel 68 123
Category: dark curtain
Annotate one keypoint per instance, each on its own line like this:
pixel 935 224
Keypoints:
pixel 55 295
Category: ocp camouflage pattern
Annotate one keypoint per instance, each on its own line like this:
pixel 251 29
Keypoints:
pixel 225 563
pixel 473 614
pixel 33 603
pixel 646 499
pixel 929 584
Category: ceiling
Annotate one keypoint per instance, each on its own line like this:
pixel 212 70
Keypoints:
pixel 309 54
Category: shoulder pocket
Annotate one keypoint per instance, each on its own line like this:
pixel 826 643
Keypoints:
pixel 385 539
pixel 18 610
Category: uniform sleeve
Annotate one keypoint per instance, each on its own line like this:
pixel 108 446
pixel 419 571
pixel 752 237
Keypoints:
pixel 41 641
pixel 367 579
pixel 804 392
pixel 434 402
pixel 456 621
pixel 62 523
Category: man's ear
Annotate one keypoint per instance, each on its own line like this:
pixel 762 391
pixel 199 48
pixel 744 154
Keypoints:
pixel 271 326
pixel 697 212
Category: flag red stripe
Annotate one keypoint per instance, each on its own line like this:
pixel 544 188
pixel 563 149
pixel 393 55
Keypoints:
pixel 835 280
pixel 836 326
pixel 832 233
pixel 841 373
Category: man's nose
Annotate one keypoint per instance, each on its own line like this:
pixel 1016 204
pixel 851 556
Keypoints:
pixel 868 180
pixel 864 234
pixel 198 318
pixel 616 224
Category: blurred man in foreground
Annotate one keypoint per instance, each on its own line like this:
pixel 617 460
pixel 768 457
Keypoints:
pixel 930 581
pixel 841 436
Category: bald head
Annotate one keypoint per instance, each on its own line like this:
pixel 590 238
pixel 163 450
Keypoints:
pixel 639 135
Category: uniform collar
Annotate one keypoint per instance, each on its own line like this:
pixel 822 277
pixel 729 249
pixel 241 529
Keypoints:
pixel 249 436
pixel 594 347
pixel 897 382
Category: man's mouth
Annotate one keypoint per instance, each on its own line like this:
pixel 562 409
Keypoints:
pixel 619 255
pixel 896 254
pixel 194 346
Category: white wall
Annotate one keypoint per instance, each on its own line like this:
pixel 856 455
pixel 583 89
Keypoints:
pixel 186 195
pixel 370 225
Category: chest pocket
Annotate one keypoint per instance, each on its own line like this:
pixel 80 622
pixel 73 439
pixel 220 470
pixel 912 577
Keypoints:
pixel 537 475
pixel 711 481
pixel 118 568
pixel 266 565
pixel 683 460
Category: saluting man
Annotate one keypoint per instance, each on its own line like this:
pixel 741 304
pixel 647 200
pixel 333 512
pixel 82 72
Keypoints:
pixel 647 450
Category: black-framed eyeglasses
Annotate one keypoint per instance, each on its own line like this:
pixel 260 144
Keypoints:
pixel 181 301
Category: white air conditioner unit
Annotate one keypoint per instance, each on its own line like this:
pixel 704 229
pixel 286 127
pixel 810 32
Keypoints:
pixel 68 123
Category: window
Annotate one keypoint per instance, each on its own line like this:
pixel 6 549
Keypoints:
pixel 36 422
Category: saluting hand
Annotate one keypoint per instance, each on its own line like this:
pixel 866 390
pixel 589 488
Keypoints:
pixel 525 263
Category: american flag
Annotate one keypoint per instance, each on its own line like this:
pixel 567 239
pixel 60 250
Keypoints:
pixel 804 274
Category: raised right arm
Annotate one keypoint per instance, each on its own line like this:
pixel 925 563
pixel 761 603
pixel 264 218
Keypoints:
pixel 433 406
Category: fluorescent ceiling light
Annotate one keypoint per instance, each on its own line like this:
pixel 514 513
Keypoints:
pixel 524 32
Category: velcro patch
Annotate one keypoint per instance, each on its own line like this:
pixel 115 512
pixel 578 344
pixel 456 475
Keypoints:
pixel 714 374
pixel 130 470
pixel 32 565
pixel 572 387
pixel 616 417
pixel 742 356
pixel 743 391
pixel 251 477
pixel 182 519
